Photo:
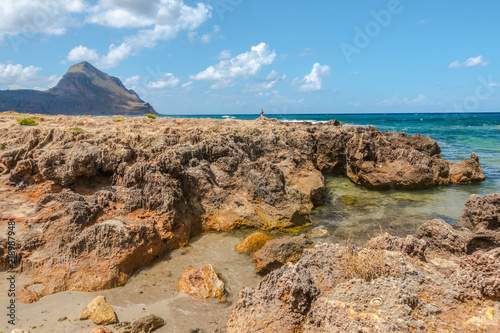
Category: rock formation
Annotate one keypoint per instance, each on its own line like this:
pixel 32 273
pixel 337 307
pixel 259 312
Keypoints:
pixel 100 202
pixel 400 290
pixel 82 90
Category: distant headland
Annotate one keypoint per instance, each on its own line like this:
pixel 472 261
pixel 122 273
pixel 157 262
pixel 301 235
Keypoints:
pixel 83 90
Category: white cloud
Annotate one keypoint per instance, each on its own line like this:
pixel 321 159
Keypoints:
pixel 314 80
pixel 81 53
pixel 30 17
pixel 471 62
pixel 494 84
pixel 161 20
pixel 210 36
pixel 132 82
pixel 188 85
pixel 165 81
pixel 245 64
pixel 270 81
pixel 224 54
pixel 306 52
pixel 420 100
pixel 17 77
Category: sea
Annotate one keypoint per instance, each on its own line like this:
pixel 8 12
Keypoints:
pixel 356 213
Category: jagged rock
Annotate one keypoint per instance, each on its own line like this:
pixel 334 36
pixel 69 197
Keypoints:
pixel 441 236
pixel 467 171
pixel 253 243
pixel 144 324
pixel 479 275
pixel 203 283
pixel 410 245
pixel 280 302
pixel 99 311
pixel 278 252
pixel 481 213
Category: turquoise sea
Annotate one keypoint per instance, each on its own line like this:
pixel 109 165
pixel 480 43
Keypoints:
pixel 353 211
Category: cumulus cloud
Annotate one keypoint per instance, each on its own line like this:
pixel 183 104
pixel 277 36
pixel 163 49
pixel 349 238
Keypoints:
pixel 17 76
pixel 314 80
pixel 245 64
pixel 420 100
pixel 471 62
pixel 159 20
pixel 165 81
pixel 30 17
pixel 82 53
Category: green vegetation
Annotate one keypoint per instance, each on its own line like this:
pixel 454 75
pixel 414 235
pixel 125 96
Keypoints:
pixel 2 146
pixel 78 129
pixel 27 121
pixel 151 116
pixel 118 120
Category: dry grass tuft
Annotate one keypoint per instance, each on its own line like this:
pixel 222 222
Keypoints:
pixel 366 264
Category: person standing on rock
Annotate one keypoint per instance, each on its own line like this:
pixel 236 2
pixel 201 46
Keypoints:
pixel 262 112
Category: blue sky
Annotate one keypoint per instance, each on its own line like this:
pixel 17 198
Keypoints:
pixel 238 56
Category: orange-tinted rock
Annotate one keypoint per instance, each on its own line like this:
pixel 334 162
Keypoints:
pixel 278 252
pixel 203 283
pixel 253 243
pixel 99 311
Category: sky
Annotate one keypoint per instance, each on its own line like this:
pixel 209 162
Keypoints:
pixel 286 57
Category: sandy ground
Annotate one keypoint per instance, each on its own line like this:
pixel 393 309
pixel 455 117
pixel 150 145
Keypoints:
pixel 151 290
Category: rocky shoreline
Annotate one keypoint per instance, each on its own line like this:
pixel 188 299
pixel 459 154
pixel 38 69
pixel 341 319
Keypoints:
pixel 95 198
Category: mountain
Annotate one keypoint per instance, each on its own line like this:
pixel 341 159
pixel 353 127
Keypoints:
pixel 83 90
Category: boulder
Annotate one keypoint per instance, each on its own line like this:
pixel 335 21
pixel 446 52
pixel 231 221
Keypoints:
pixel 278 252
pixel 481 213
pixel 203 283
pixel 410 245
pixel 479 275
pixel 441 236
pixel 143 324
pixel 280 302
pixel 99 311
pixel 253 243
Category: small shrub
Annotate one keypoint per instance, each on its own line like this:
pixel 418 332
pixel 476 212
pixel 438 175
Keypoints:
pixel 78 129
pixel 151 116
pixel 2 146
pixel 27 121
pixel 118 120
